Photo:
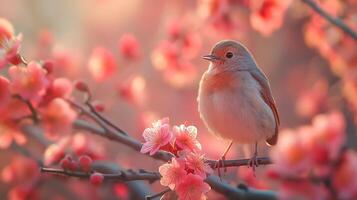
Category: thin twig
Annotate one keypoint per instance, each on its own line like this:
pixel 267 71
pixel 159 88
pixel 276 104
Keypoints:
pixel 333 20
pixel 240 162
pixel 88 114
pixel 25 152
pixel 149 197
pixel 120 176
pixel 101 117
pixel 33 111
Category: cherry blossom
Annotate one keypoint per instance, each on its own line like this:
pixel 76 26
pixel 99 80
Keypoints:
pixel 59 87
pixel 4 91
pixel 196 162
pixel 192 187
pixel 101 64
pixel 343 179
pixel 58 117
pixel 6 31
pixel 129 46
pixel 290 155
pixel 157 136
pixel 268 15
pixel 172 173
pixel 9 133
pixel 29 82
pixel 185 138
pixel 133 90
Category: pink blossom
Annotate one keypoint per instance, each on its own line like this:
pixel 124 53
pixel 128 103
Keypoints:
pixel 58 117
pixel 344 179
pixel 324 140
pixel 172 173
pixel 133 90
pixel 4 91
pixel 55 152
pixel 129 46
pixel 6 31
pixel 9 133
pixel 192 187
pixel 101 64
pixel 196 162
pixel 12 50
pixel 60 87
pixel 185 138
pixel 267 15
pixel 29 82
pixel 157 136
pixel 290 155
pixel 302 190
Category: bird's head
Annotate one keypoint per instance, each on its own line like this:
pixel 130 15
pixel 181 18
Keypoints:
pixel 230 55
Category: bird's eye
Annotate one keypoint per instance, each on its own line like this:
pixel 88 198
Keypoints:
pixel 229 54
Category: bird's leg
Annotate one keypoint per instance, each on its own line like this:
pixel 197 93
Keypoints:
pixel 220 162
pixel 253 162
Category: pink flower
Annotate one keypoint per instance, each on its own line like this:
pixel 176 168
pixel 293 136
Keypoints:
pixel 12 49
pixel 129 46
pixel 4 91
pixel 9 133
pixel 60 87
pixel 325 139
pixel 196 163
pixel 185 138
pixel 6 31
pixel 290 155
pixel 302 190
pixel 192 187
pixel 133 90
pixel 101 64
pixel 344 179
pixel 268 15
pixel 172 173
pixel 157 136
pixel 58 117
pixel 29 82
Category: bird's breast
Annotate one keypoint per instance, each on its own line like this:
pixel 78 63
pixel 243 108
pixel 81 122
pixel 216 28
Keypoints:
pixel 231 107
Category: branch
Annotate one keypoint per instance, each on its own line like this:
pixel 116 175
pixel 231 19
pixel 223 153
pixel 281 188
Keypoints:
pixel 213 181
pixel 120 176
pixel 333 20
pixel 238 163
pixel 25 152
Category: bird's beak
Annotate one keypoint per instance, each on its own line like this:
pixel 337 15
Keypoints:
pixel 210 57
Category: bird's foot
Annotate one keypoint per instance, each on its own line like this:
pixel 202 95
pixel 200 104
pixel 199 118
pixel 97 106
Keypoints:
pixel 253 162
pixel 220 164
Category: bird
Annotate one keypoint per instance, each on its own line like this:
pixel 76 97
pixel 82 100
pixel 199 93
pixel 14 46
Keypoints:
pixel 235 101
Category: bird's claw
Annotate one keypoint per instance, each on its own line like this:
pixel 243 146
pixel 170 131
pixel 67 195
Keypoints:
pixel 253 162
pixel 220 164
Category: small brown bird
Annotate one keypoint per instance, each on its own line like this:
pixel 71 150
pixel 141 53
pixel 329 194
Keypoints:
pixel 234 99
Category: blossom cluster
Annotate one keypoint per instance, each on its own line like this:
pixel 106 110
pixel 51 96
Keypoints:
pixel 173 56
pixel 312 154
pixel 186 171
pixel 266 16
pixel 30 90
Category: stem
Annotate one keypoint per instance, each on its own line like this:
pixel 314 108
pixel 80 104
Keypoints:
pixel 120 176
pixel 333 20
pixel 109 123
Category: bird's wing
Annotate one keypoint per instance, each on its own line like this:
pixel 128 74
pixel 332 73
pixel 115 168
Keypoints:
pixel 267 96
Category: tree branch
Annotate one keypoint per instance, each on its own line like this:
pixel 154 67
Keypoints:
pixel 238 163
pixel 120 176
pixel 213 181
pixel 333 20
